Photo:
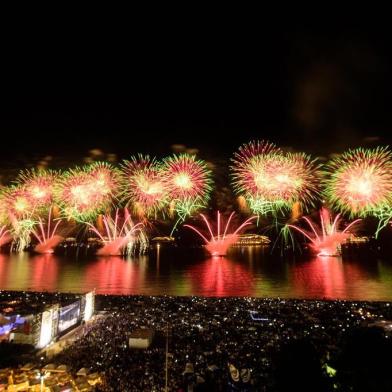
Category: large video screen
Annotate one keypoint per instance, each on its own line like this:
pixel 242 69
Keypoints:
pixel 46 332
pixel 69 316
pixel 89 306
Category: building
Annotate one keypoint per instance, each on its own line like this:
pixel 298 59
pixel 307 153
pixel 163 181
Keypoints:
pixel 141 338
pixel 252 239
pixel 40 324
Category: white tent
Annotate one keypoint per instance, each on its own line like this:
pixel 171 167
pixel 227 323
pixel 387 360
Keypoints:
pixel 141 338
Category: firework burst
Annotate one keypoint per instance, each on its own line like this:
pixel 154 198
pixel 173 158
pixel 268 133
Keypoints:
pixel 271 180
pixel 84 193
pixel 359 182
pixel 17 202
pixel 18 210
pixel 104 179
pixel 188 181
pixel 143 187
pixel 38 186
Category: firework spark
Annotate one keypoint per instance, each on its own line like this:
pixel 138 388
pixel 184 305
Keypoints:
pixel 17 202
pixel 143 187
pixel 120 235
pixel 272 180
pixel 38 186
pixel 326 239
pixel 219 243
pixel 188 182
pixel 104 179
pixel 84 193
pixel 360 181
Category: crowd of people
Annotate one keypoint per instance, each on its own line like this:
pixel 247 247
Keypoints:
pixel 227 344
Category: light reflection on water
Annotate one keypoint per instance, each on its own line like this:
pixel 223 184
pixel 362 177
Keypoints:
pixel 244 272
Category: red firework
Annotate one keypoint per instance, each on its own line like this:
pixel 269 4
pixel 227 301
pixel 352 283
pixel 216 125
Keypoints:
pixel 17 202
pixel 360 181
pixel 186 178
pixel 222 239
pixel 84 193
pixel 104 179
pixel 143 186
pixel 38 186
pixel 263 173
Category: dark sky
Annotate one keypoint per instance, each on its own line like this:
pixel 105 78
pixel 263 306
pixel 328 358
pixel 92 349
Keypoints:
pixel 319 92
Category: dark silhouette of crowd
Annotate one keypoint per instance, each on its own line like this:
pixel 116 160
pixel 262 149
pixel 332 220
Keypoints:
pixel 237 344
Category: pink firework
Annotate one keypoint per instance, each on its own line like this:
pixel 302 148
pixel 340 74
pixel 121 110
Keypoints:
pixel 84 193
pixel 248 165
pixel 326 239
pixel 255 148
pixel 186 178
pixel 143 186
pixel 39 186
pixel 263 174
pixel 120 235
pixel 5 236
pixel 76 196
pixel 360 181
pixel 219 243
pixel 17 203
pixel 47 237
pixel 104 179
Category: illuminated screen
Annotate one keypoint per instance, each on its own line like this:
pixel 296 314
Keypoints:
pixel 89 306
pixel 69 316
pixel 46 328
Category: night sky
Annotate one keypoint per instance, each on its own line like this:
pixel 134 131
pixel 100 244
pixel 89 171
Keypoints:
pixel 313 91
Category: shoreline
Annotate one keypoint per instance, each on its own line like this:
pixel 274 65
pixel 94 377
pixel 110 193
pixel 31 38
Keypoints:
pixel 166 296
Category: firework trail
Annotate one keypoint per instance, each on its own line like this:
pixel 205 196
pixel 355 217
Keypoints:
pixel 4 235
pixel 218 243
pixel 326 238
pixel 47 237
pixel 120 235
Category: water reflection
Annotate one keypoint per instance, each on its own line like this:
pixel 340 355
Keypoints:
pixel 247 271
pixel 323 276
pixel 332 277
pixel 217 276
pixel 26 272
pixel 116 275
